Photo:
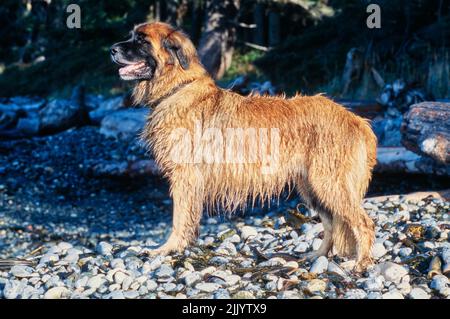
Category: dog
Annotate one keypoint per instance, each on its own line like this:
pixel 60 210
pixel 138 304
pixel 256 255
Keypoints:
pixel 317 147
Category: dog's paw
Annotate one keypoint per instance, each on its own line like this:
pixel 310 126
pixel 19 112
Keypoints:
pixel 363 265
pixel 311 256
pixel 148 252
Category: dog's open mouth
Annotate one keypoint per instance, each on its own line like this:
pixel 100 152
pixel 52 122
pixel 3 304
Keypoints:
pixel 134 70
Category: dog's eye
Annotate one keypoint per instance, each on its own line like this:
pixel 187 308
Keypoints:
pixel 140 38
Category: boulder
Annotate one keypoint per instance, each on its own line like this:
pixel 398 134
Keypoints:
pixel 59 115
pixel 124 124
pixel 104 108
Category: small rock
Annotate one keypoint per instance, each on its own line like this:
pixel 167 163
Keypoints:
pixel 165 271
pixel 320 265
pixel 243 294
pixel 96 281
pixel 394 294
pixel 405 252
pixel 301 247
pixel 192 278
pixel 418 293
pixel 248 231
pixel 57 293
pixel 439 282
pixel 355 294
pixel 21 271
pixel 316 285
pixel 393 272
pixel 290 295
pixel 378 250
pixel 374 284
pixel 132 294
pixel 207 286
pixel 117 295
pixel 104 248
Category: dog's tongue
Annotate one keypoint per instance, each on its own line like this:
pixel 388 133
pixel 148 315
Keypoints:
pixel 131 68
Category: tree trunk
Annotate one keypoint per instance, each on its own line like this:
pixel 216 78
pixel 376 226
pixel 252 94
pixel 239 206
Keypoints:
pixel 258 19
pixel 217 42
pixel 196 18
pixel 426 130
pixel 274 28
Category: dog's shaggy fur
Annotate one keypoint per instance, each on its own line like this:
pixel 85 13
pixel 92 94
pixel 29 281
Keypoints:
pixel 326 152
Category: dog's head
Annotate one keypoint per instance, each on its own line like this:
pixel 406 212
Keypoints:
pixel 154 50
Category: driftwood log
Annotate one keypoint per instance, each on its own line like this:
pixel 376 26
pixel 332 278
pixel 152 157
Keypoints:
pixel 426 130
pixel 401 160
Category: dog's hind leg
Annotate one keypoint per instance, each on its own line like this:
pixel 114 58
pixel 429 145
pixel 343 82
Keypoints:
pixel 327 221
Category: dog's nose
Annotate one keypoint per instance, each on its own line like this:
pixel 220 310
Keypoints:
pixel 113 50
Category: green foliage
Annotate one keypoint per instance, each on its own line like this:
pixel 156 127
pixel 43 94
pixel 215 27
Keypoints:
pixel 70 56
pixel 412 34
pixel 242 64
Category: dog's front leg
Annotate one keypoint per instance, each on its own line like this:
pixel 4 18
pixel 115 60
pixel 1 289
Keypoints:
pixel 187 194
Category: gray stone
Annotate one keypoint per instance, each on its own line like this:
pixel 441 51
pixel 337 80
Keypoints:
pixel 320 265
pixel 207 286
pixel 104 248
pixel 59 115
pixel 106 107
pixel 22 271
pixel 96 281
pixel 392 272
pixel 124 124
pixel 117 295
pixel 165 271
pixel 378 250
pixel 57 293
pixel 418 293
pixel 248 231
pixel 316 285
pixel 439 282
pixel 192 278
pixel 393 294
pixel 132 294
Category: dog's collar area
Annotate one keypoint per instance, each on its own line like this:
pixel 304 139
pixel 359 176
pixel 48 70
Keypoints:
pixel 171 92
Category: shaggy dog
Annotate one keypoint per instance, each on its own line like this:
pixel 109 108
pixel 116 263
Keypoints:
pixel 222 150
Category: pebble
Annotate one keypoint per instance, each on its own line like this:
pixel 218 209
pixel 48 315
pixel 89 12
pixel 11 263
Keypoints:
pixel 316 285
pixel 290 295
pixel 374 283
pixel 117 295
pixel 393 272
pixel 395 294
pixel 439 283
pixel 96 281
pixel 301 247
pixel 320 265
pixel 207 286
pixel 57 293
pixel 22 271
pixel 104 248
pixel 378 250
pixel 165 271
pixel 418 293
pixel 248 232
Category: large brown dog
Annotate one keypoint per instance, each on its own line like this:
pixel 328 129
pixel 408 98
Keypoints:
pixel 324 151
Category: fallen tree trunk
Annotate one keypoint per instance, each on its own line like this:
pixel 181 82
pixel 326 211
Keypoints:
pixel 401 160
pixel 416 196
pixel 426 130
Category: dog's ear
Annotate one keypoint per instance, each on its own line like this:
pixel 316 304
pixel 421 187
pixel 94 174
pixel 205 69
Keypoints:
pixel 176 51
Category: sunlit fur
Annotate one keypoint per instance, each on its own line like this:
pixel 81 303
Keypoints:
pixel 326 152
